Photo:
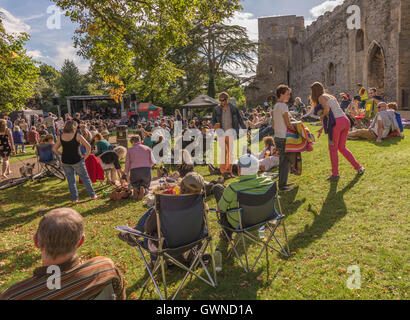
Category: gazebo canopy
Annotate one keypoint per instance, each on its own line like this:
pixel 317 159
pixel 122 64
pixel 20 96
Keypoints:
pixel 203 101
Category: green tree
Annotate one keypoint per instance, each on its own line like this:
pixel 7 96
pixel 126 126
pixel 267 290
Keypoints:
pixel 49 74
pixel 130 39
pixel 18 73
pixel 224 48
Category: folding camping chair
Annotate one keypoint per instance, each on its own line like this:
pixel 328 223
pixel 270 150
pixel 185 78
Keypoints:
pixel 183 225
pixel 48 161
pixel 256 211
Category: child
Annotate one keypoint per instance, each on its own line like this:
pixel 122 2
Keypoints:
pixel 268 157
pixel 281 124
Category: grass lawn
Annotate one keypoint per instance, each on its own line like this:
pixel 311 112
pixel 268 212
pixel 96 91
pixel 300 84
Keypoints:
pixel 359 221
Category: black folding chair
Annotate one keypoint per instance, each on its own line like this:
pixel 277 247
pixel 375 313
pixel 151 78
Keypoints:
pixel 255 212
pixel 183 225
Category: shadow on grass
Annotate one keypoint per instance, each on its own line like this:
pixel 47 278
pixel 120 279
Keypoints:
pixel 387 142
pixel 22 259
pixel 288 203
pixel 333 210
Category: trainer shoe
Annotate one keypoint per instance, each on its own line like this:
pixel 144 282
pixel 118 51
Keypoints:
pixel 361 171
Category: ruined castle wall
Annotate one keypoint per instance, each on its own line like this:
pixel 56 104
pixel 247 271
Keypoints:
pixel 327 51
pixel 403 91
pixel 337 60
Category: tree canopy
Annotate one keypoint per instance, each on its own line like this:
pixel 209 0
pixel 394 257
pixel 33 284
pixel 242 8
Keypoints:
pixel 132 37
pixel 18 73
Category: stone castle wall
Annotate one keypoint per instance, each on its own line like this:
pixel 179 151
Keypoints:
pixel 377 55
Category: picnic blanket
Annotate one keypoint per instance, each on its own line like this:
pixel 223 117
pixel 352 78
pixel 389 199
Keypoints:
pixel 299 140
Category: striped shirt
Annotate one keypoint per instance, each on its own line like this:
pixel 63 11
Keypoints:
pixel 79 281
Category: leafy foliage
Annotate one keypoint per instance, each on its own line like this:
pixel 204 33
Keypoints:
pixel 18 73
pixel 132 37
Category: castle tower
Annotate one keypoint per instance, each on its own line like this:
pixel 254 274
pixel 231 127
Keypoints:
pixel 277 34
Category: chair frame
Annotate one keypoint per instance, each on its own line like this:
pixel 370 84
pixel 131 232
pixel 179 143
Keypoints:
pixel 165 254
pixel 245 233
pixel 44 167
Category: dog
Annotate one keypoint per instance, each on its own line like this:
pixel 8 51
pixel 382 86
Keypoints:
pixel 27 170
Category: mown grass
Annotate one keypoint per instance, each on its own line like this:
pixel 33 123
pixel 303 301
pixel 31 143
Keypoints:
pixel 359 221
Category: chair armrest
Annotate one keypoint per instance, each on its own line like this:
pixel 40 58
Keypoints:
pixel 134 232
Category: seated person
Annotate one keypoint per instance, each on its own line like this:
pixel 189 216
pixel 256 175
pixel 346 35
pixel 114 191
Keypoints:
pixel 353 111
pixel 268 157
pixel 248 180
pixel 101 144
pixel 110 162
pixel 193 183
pixel 393 106
pixel 104 131
pixel 384 124
pixel 60 233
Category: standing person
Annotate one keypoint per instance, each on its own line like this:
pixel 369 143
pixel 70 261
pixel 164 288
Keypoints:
pixel 340 130
pixel 178 116
pixel 138 164
pixel 72 161
pixel 59 126
pixel 363 95
pixel 18 138
pixel 281 124
pixel 6 147
pixel 50 125
pixel 227 116
pixel 24 127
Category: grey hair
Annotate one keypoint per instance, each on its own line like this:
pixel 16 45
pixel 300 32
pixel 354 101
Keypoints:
pixel 121 151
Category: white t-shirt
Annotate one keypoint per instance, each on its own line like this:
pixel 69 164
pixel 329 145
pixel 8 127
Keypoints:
pixel 279 122
pixel 385 132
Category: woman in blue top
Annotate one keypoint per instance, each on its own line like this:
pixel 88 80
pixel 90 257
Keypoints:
pixel 18 137
pixel 101 144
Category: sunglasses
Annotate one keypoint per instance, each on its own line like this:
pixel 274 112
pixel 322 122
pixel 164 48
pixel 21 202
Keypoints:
pixel 223 100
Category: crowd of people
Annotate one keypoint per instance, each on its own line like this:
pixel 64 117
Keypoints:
pixel 84 135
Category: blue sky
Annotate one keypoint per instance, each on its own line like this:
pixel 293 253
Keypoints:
pixel 53 46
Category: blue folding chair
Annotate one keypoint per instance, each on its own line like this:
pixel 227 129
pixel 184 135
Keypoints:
pixel 48 161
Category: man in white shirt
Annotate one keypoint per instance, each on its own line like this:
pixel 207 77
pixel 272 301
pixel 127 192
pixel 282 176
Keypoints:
pixel 281 123
pixel 379 129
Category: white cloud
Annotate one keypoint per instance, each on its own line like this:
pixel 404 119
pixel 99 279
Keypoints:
pixel 13 24
pixel 65 50
pixel 33 17
pixel 35 54
pixel 246 20
pixel 250 23
pixel 308 21
pixel 328 5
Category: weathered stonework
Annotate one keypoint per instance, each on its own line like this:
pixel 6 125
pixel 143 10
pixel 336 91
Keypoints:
pixel 377 55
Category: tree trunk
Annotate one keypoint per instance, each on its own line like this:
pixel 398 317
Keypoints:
pixel 211 85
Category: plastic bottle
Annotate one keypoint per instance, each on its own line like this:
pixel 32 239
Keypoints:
pixel 262 233
pixel 218 260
